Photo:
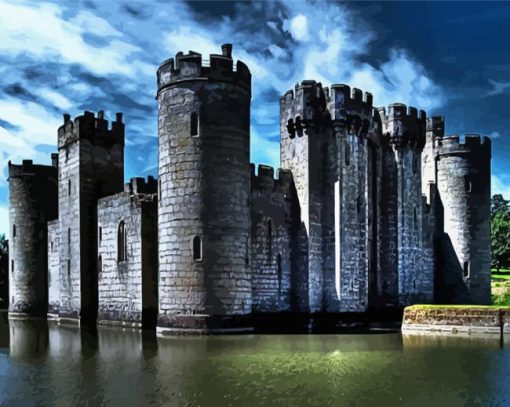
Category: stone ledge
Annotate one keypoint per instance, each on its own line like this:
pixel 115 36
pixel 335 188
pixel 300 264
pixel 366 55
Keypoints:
pixel 463 320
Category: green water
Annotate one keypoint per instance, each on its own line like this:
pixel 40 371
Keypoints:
pixel 64 366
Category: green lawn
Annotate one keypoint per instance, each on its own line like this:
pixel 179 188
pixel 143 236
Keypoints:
pixel 448 306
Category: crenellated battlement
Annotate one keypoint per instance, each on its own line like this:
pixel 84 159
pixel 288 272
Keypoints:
pixel 304 106
pixel 140 186
pixel 191 66
pixel 473 144
pixel 90 127
pixel 403 125
pixel 435 124
pixel 344 102
pixel 29 169
pixel 266 181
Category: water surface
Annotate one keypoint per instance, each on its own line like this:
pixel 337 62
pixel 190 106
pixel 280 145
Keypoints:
pixel 48 365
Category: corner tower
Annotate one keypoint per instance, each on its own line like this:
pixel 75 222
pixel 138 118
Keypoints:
pixel 204 189
pixel 32 203
pixel 91 166
pixel 463 173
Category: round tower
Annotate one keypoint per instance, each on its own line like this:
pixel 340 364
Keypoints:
pixel 463 174
pixel 204 187
pixel 32 202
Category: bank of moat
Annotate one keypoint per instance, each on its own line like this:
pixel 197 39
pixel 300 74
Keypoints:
pixel 374 208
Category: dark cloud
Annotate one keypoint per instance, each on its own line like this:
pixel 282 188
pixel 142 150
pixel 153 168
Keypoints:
pixel 19 91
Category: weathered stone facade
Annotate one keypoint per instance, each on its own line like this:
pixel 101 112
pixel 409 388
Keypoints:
pixel 373 208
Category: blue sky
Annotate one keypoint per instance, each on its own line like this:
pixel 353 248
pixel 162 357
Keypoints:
pixel 61 57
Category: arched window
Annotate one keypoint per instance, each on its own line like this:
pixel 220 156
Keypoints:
pixel 347 154
pixel 69 187
pixel 121 242
pixel 467 184
pixel 197 248
pixel 415 164
pixel 100 233
pixel 68 268
pixel 465 271
pixel 99 264
pixel 69 240
pixel 269 240
pixel 194 124
pixel 14 231
pixel 279 270
pixel 12 266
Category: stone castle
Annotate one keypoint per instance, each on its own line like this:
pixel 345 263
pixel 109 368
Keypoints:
pixel 373 209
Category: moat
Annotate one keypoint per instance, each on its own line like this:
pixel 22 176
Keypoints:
pixel 47 364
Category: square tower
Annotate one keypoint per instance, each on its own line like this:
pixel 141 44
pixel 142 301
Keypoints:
pixel 91 166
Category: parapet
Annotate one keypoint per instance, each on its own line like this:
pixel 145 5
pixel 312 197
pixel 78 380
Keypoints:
pixel 190 66
pixel 29 169
pixel 305 105
pixel 435 124
pixel 266 182
pixel 139 186
pixel 344 102
pixel 95 129
pixel 403 125
pixel 473 145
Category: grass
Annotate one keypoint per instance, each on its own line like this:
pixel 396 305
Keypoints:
pixel 466 306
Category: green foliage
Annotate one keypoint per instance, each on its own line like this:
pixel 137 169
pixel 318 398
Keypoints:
pixel 500 232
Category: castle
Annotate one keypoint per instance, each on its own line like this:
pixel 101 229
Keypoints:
pixel 373 208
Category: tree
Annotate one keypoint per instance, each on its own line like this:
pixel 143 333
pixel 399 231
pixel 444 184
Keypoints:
pixel 500 232
pixel 4 271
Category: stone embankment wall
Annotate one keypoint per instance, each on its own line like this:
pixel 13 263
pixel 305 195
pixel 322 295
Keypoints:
pixel 456 320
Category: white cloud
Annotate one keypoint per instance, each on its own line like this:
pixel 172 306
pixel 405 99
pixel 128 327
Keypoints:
pixel 40 30
pixel 500 185
pixel 58 100
pixel 495 134
pixel 299 27
pixel 4 221
pixel 264 151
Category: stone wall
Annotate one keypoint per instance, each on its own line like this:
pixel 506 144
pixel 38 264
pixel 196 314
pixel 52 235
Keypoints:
pixel 121 283
pixel 32 202
pixel 271 239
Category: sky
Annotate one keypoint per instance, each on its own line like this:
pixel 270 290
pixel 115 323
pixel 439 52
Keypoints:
pixel 450 59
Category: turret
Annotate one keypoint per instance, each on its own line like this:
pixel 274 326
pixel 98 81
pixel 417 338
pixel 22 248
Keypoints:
pixel 463 179
pixel 95 129
pixel 403 139
pixel 204 175
pixel 32 202
pixel 435 130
